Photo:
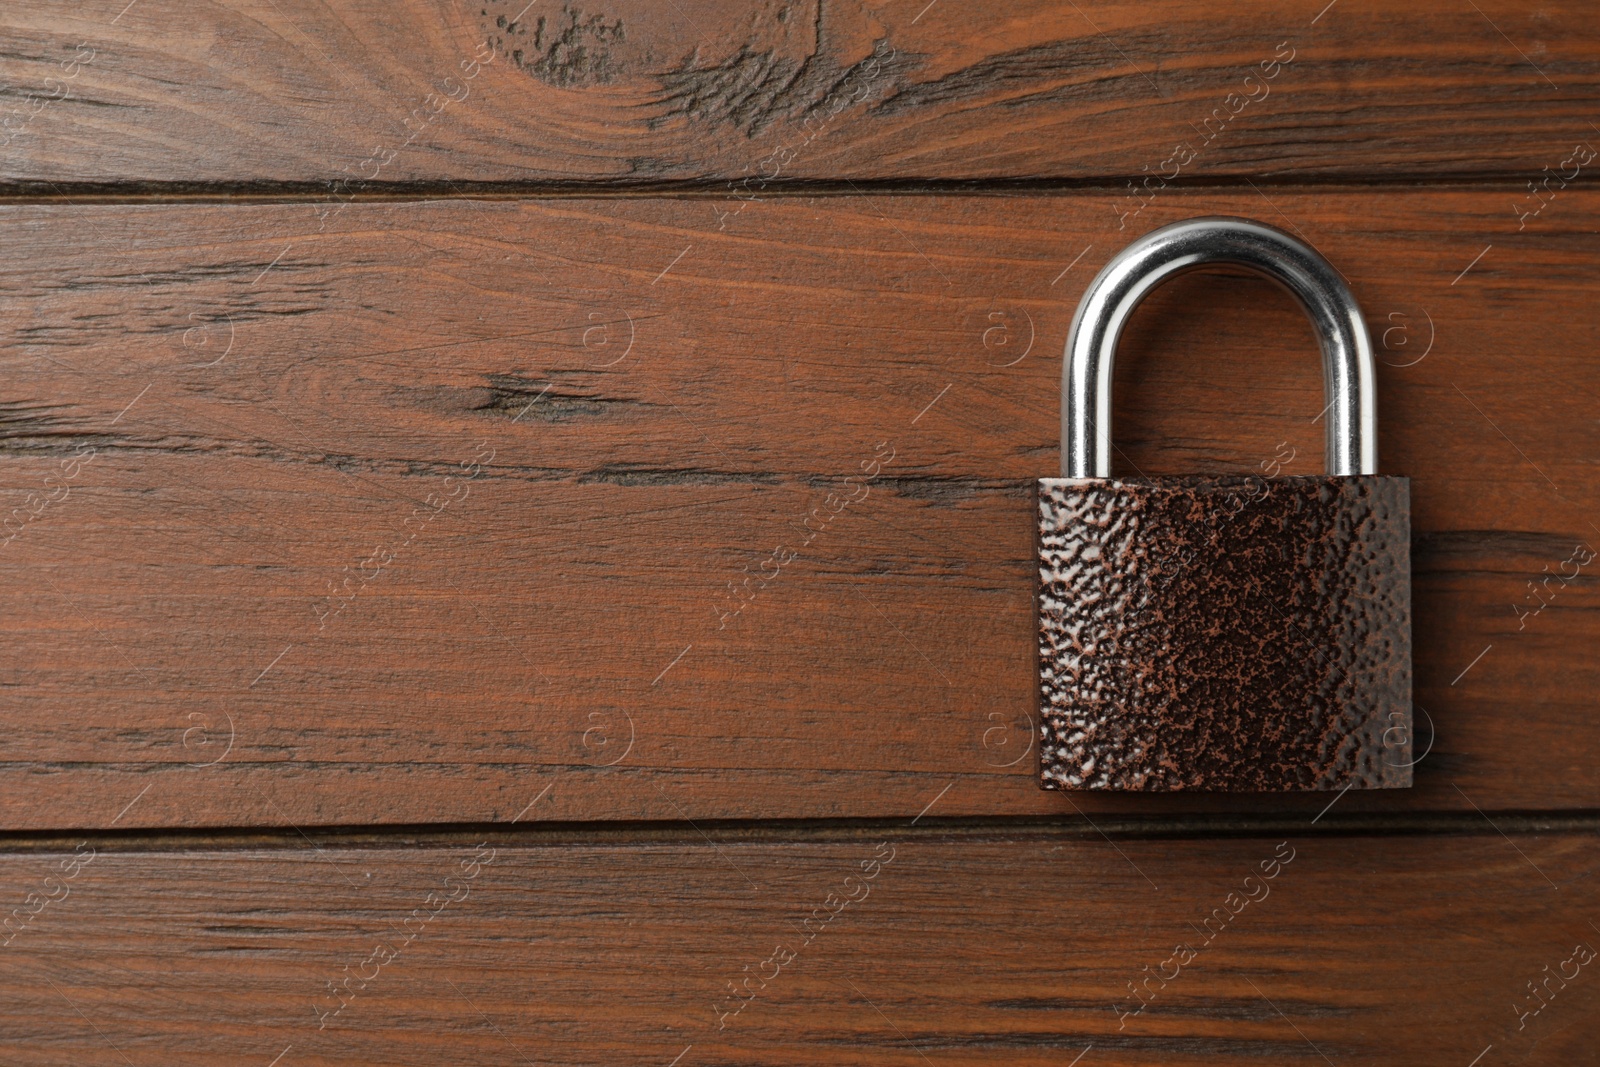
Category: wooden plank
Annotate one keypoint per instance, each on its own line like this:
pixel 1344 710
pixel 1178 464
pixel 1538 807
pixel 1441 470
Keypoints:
pixel 892 948
pixel 382 91
pixel 453 506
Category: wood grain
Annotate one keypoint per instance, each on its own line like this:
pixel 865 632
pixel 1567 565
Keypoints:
pixel 453 506
pixel 1017 949
pixel 372 92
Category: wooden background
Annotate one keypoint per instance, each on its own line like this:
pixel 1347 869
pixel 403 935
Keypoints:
pixel 426 423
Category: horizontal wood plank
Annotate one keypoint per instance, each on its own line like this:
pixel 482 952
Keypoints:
pixel 895 948
pixel 600 509
pixel 629 91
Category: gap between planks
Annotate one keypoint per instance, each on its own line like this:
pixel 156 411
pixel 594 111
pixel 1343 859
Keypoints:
pixel 268 192
pixel 796 831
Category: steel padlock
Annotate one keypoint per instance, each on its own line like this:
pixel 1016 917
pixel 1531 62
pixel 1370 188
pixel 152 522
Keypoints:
pixel 1223 632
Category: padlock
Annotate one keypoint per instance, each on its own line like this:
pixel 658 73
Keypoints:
pixel 1223 632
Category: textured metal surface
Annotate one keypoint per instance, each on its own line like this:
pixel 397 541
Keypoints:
pixel 1225 633
pixel 1351 411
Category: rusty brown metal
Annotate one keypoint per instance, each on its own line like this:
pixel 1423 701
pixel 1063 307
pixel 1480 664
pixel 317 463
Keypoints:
pixel 1225 633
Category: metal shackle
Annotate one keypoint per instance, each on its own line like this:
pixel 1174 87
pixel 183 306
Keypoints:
pixel 1347 369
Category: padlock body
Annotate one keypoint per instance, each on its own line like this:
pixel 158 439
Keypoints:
pixel 1225 633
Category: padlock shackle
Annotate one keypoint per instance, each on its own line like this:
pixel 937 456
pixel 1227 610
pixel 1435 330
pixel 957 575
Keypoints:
pixel 1347 370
